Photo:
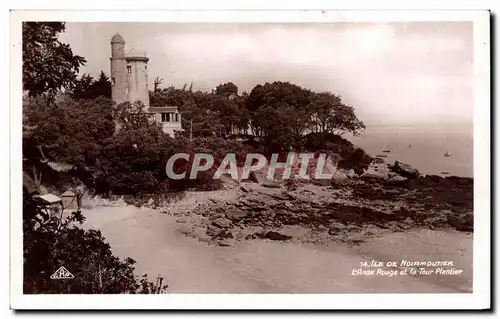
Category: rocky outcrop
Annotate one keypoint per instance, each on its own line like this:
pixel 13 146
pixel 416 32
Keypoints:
pixel 376 171
pixel 349 173
pixel 462 223
pixel 380 200
pixel 405 170
pixel 379 171
pixel 397 179
pixel 235 215
pixel 274 235
pixel 254 178
pixel 222 223
pixel 271 184
pixel 396 204
pixel 336 227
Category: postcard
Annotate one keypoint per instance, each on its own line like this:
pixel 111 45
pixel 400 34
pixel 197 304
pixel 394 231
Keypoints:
pixel 250 160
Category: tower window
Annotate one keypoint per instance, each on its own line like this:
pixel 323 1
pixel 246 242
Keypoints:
pixel 129 69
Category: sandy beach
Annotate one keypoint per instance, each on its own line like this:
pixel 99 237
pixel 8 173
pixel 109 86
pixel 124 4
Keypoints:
pixel 158 243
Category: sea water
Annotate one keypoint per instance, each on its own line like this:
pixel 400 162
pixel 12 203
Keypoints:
pixel 423 147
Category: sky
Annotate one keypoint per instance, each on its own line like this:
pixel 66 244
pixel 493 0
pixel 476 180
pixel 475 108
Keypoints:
pixel 398 73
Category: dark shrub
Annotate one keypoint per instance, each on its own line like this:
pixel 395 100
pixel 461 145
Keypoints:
pixel 50 243
pixel 351 157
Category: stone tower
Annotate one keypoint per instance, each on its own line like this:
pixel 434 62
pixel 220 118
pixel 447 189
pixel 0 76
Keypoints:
pixel 129 74
pixel 118 70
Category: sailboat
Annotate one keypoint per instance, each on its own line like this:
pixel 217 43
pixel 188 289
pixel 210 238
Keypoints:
pixel 447 153
pixel 386 149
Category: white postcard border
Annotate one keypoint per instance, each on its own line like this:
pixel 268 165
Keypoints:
pixel 480 298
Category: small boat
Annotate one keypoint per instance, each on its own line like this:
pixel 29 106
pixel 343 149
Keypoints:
pixel 445 173
pixel 447 153
pixel 381 156
pixel 386 149
pixel 409 145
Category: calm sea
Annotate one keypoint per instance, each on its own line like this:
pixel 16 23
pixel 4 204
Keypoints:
pixel 428 145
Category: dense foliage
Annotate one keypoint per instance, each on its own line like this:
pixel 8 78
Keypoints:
pixel 88 88
pixel 48 64
pixel 130 161
pixel 68 130
pixel 205 114
pixel 50 242
pixel 349 156
pixel 280 113
pixel 64 130
pixel 124 152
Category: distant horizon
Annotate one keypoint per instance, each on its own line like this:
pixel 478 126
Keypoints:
pixel 460 126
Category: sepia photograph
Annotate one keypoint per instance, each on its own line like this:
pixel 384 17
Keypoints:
pixel 249 157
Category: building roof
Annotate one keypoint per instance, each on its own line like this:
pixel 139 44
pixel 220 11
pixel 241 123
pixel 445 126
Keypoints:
pixel 117 38
pixel 136 58
pixel 136 55
pixel 48 198
pixel 68 193
pixel 159 109
pixel 60 166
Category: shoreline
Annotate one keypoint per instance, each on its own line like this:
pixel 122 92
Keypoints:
pixel 161 245
pixel 361 206
pixel 365 218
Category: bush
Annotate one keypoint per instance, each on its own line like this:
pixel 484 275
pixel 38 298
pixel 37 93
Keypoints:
pixel 50 242
pixel 378 160
pixel 133 161
pixel 220 147
pixel 351 157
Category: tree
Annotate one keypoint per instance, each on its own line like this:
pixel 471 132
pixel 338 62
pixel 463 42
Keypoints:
pixel 50 241
pixel 330 115
pixel 131 160
pixel 344 121
pixel 226 89
pixel 82 86
pixel 133 116
pixel 282 113
pixel 101 87
pixel 198 109
pixel 157 83
pixel 279 112
pixel 200 112
pixel 88 88
pixel 48 64
pixel 74 132
pixel 276 123
pixel 170 97
pixel 69 132
pixel 234 116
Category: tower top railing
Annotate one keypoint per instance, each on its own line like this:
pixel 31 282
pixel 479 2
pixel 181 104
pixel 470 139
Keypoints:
pixel 136 53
